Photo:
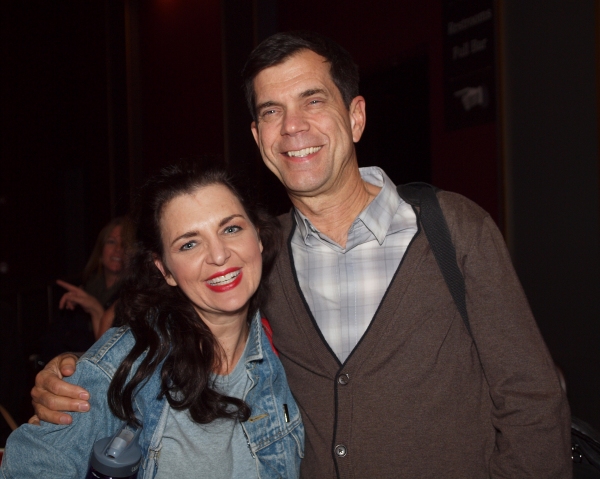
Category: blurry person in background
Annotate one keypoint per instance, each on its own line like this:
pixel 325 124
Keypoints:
pixel 101 274
pixel 87 311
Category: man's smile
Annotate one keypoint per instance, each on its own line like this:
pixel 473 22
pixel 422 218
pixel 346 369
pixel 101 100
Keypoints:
pixel 303 152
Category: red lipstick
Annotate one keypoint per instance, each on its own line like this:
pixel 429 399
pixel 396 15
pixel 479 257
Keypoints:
pixel 221 288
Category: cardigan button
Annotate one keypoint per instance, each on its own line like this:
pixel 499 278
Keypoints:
pixel 343 379
pixel 340 450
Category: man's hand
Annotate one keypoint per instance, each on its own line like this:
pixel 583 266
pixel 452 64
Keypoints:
pixel 51 394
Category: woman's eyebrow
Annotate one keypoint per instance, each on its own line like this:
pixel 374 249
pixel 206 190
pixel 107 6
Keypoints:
pixel 226 220
pixel 189 234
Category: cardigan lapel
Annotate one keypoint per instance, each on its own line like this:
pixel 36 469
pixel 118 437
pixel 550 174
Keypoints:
pixel 285 282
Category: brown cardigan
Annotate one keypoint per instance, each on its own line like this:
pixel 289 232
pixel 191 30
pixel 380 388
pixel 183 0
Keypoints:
pixel 415 399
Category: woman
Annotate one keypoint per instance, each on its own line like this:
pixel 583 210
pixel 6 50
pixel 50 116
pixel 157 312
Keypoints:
pixel 101 276
pixel 88 311
pixel 192 361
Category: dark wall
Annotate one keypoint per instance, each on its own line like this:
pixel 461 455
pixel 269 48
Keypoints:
pixel 54 137
pixel 551 146
pixel 398 137
pixel 180 73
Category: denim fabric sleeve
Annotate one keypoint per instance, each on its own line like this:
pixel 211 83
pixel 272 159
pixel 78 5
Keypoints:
pixel 60 451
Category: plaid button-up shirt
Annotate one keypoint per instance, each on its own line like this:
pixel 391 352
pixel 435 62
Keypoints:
pixel 344 286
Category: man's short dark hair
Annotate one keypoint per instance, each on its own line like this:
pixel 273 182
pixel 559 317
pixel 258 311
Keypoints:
pixel 279 47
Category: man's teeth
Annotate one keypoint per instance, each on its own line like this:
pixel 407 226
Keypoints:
pixel 226 278
pixel 304 151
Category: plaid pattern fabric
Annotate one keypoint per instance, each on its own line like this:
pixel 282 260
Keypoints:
pixel 344 286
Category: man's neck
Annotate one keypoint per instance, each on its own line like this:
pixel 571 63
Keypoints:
pixel 334 214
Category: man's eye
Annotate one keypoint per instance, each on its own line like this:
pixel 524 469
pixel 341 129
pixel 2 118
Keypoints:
pixel 315 102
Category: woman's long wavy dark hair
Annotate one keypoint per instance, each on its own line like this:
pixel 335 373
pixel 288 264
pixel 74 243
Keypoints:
pixel 163 320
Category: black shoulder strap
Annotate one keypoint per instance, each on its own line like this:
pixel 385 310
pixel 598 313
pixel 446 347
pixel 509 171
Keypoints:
pixel 438 235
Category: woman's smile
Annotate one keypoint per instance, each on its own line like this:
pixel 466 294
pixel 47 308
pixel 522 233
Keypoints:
pixel 221 282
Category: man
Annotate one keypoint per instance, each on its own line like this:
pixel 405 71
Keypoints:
pixel 388 378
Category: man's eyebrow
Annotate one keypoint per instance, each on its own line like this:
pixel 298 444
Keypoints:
pixel 305 94
pixel 266 104
pixel 313 91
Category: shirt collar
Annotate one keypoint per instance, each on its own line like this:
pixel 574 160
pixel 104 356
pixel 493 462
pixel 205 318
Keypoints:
pixel 254 350
pixel 377 216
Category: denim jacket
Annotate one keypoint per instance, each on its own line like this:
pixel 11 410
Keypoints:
pixel 274 431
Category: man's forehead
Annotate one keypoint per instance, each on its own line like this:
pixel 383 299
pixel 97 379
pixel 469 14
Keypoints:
pixel 303 71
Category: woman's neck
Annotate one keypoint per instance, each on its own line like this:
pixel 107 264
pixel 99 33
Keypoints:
pixel 110 279
pixel 231 335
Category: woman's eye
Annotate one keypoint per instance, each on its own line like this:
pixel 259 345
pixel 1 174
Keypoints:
pixel 232 229
pixel 188 245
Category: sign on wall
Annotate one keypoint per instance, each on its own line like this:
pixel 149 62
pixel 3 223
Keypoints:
pixel 469 58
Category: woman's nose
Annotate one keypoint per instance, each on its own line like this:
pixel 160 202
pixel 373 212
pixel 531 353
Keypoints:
pixel 218 253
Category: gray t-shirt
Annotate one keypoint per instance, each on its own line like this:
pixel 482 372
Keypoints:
pixel 213 451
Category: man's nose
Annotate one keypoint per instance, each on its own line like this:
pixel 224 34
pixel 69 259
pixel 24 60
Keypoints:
pixel 293 122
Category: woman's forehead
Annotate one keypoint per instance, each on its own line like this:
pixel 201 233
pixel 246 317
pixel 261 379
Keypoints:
pixel 206 204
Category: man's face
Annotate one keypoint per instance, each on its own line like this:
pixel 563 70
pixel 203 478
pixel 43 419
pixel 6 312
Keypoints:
pixel 304 131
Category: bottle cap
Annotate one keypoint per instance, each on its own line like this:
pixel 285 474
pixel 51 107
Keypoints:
pixel 118 455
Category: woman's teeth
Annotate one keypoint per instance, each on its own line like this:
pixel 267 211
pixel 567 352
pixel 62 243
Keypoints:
pixel 226 278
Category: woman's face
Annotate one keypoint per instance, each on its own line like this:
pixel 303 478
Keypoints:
pixel 113 254
pixel 211 251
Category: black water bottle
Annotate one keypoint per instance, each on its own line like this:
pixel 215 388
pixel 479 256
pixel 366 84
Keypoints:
pixel 117 456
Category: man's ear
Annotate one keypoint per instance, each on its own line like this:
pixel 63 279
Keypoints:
pixel 254 130
pixel 168 276
pixel 358 117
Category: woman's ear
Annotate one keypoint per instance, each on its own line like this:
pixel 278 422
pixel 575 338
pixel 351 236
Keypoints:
pixel 165 272
pixel 260 245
